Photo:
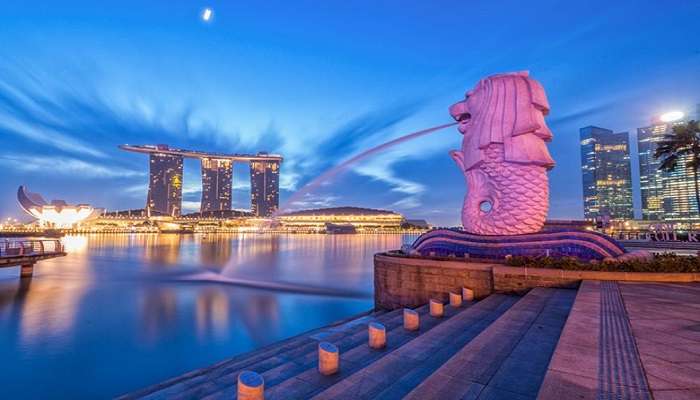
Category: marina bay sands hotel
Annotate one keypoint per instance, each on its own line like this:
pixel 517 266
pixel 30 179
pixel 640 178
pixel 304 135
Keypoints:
pixel 165 179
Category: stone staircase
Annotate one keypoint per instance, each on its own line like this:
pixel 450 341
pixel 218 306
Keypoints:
pixel 606 340
pixel 508 359
pixel 499 330
pixel 285 361
pixel 396 374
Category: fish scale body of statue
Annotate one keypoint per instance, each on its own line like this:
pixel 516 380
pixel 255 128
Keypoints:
pixel 504 155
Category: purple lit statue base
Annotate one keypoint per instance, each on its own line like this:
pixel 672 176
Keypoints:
pixel 584 245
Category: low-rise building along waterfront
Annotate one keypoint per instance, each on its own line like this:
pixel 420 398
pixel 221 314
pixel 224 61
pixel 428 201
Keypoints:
pixel 362 219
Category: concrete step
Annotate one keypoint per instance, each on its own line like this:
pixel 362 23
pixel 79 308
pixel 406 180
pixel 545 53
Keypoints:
pixel 508 359
pixel 270 355
pixel 596 357
pixel 285 364
pixel 287 361
pixel 396 374
pixel 305 381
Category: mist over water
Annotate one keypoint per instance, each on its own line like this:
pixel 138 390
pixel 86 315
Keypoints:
pixel 121 312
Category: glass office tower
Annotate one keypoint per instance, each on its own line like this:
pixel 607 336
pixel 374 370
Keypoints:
pixel 665 195
pixel 607 176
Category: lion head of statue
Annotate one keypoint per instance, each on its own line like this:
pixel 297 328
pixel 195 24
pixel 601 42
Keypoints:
pixel 505 109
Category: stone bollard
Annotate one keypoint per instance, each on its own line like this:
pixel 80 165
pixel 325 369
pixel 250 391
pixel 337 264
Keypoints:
pixel 411 319
pixel 251 386
pixel 328 358
pixel 455 300
pixel 377 335
pixel 467 294
pixel 437 309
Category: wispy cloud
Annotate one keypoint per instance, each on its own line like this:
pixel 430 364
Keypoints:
pixel 407 203
pixel 136 191
pixel 382 172
pixel 48 165
pixel 46 136
pixel 316 201
pixel 581 114
pixel 79 115
pixel 190 206
pixel 345 140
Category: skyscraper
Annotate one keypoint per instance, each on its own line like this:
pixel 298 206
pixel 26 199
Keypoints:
pixel 217 178
pixel 665 195
pixel 165 183
pixel 606 172
pixel 264 187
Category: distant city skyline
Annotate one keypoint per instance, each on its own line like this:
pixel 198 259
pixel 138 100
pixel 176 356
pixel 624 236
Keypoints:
pixel 318 84
pixel 607 181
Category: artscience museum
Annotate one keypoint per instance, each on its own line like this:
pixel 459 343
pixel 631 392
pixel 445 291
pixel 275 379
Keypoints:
pixel 57 213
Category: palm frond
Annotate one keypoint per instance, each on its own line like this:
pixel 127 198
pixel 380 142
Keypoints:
pixel 669 163
pixel 684 140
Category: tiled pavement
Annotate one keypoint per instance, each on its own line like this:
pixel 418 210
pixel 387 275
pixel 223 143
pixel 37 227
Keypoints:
pixel 665 320
pixel 628 341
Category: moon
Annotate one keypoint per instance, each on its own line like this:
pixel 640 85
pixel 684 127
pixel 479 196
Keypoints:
pixel 207 13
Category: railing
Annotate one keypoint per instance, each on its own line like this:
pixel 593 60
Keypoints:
pixel 15 248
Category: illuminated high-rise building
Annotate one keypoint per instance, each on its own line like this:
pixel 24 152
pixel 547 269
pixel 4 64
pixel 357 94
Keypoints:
pixel 607 177
pixel 264 187
pixel 165 183
pixel 217 180
pixel 667 196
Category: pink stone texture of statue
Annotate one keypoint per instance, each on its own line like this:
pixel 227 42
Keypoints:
pixel 504 155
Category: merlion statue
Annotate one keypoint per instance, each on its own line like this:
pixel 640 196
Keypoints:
pixel 504 155
pixel 505 160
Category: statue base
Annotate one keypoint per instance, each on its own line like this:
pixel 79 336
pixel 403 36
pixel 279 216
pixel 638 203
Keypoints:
pixel 584 245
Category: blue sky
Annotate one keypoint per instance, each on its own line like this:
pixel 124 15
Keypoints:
pixel 318 82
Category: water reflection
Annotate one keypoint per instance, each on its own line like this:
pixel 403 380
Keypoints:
pixel 215 249
pixel 158 312
pixel 212 313
pixel 118 301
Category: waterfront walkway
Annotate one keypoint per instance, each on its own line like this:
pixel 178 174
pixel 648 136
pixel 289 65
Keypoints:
pixel 606 340
pixel 26 253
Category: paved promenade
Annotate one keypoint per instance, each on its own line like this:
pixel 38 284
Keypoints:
pixel 628 341
pixel 606 340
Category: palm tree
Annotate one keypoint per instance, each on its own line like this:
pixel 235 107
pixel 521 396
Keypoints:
pixel 684 141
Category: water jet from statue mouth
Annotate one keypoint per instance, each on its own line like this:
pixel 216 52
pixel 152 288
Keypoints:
pixel 333 172
pixel 463 117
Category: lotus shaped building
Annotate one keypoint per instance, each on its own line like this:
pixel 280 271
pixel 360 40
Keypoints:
pixel 57 214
